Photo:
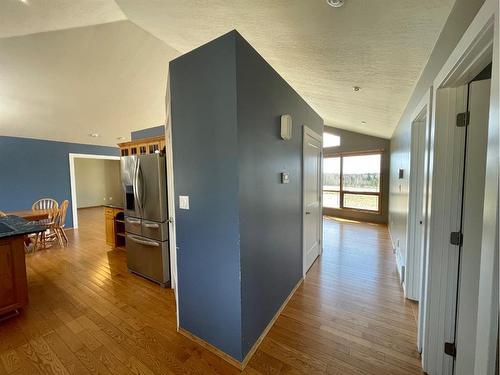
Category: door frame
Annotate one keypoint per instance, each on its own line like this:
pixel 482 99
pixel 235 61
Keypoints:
pixel 309 132
pixel 478 46
pixel 413 291
pixel 72 179
pixel 172 238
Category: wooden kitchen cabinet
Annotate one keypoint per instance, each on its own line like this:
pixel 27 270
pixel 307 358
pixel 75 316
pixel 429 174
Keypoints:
pixel 114 220
pixel 143 146
pixel 13 281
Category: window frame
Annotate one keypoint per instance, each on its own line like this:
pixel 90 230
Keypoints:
pixel 342 191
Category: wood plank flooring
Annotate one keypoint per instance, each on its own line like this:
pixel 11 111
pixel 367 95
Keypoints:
pixel 88 315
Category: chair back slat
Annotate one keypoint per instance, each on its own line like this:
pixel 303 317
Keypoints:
pixel 45 204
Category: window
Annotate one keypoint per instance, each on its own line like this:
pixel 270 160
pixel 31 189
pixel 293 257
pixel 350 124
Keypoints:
pixel 330 140
pixel 352 182
pixel 331 182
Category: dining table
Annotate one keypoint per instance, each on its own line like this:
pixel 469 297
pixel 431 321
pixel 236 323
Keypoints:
pixel 31 215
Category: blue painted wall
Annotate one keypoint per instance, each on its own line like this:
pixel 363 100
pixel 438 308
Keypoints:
pixel 240 243
pixel 203 86
pixel 149 132
pixel 270 212
pixel 33 169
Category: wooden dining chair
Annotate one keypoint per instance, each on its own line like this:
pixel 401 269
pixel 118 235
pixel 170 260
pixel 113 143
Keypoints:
pixel 49 232
pixel 45 204
pixel 61 223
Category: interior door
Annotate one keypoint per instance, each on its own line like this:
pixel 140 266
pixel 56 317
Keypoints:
pixel 312 220
pixel 472 223
pixel 416 209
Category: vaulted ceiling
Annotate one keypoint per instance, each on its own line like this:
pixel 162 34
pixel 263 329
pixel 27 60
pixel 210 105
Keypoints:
pixel 71 68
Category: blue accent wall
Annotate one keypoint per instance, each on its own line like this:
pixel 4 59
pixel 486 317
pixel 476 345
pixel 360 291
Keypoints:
pixel 270 212
pixel 32 169
pixel 240 243
pixel 204 133
pixel 149 132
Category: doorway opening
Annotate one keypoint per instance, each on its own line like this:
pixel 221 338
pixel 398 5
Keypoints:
pixel 418 213
pixel 95 182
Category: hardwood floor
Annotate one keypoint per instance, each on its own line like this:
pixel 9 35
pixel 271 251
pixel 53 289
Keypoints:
pixel 88 315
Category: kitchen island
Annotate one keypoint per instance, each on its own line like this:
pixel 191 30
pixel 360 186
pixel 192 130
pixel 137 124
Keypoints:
pixel 13 281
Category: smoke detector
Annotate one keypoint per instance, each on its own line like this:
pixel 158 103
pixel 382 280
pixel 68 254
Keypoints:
pixel 335 3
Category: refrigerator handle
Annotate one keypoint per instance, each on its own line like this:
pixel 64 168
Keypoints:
pixel 134 183
pixel 139 186
pixel 143 242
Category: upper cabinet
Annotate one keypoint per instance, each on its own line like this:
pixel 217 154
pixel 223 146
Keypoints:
pixel 142 146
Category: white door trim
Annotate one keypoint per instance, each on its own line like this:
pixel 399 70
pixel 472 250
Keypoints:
pixel 412 290
pixel 479 45
pixel 72 157
pixel 423 109
pixel 318 137
pixel 172 241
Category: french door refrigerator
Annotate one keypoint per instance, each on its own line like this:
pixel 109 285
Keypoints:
pixel 146 216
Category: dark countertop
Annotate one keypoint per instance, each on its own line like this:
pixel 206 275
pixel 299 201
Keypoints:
pixel 18 225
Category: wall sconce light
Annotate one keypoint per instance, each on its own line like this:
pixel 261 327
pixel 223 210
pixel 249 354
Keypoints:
pixel 286 127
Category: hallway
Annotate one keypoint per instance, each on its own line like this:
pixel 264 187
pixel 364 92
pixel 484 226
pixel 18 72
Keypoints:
pixel 350 313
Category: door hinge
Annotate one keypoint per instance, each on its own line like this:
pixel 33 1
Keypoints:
pixel 450 349
pixel 456 238
pixel 463 119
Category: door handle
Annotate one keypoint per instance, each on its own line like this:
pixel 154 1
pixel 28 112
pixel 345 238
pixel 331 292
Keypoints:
pixel 143 242
pixel 308 213
pixel 133 221
pixel 151 225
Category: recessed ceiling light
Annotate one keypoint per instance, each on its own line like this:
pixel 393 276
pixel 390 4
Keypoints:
pixel 94 135
pixel 335 3
pixel 356 88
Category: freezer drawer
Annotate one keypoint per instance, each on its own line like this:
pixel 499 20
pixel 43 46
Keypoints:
pixel 154 230
pixel 148 258
pixel 133 225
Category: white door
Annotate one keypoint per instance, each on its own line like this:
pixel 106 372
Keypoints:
pixel 472 223
pixel 312 215
pixel 415 248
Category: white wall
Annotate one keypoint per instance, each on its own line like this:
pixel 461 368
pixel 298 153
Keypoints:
pixel 98 182
pixel 460 17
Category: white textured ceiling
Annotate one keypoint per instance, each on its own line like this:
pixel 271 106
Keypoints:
pixel 21 17
pixel 379 45
pixel 64 85
pixel 65 70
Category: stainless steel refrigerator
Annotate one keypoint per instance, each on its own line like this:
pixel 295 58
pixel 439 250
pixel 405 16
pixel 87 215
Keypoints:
pixel 146 216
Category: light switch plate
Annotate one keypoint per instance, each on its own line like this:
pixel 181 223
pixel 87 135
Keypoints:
pixel 285 178
pixel 184 202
